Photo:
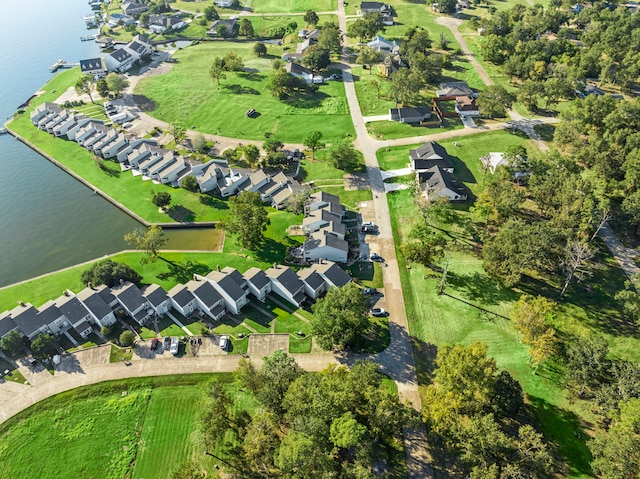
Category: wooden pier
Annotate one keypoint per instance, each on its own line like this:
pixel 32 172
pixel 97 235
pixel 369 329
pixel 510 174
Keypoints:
pixel 62 64
pixel 88 38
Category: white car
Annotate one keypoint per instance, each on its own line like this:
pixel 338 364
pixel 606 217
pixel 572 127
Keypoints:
pixel 173 349
pixel 224 341
pixel 368 223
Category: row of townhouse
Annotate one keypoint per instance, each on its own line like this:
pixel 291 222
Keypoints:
pixel 120 60
pixel 323 223
pixel 220 291
pixel 145 157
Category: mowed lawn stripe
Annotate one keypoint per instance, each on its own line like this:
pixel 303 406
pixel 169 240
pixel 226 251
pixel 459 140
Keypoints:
pixel 165 441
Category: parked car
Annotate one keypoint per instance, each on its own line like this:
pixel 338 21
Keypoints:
pixel 173 349
pixel 369 291
pixel 377 257
pixel 370 229
pixel 154 344
pixel 335 76
pixel 167 342
pixel 250 112
pixel 380 312
pixel 224 341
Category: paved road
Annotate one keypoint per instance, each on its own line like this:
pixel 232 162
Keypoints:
pixel 624 256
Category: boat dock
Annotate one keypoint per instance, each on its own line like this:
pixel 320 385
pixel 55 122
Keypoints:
pixel 88 38
pixel 61 64
pixel 3 131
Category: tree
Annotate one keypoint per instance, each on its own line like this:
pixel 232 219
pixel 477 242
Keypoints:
pixel 216 70
pixel 260 442
pixel 232 62
pixel 340 317
pixel 43 346
pixel 554 89
pixel 12 343
pixel 576 254
pixel 313 141
pixel 161 199
pixel 109 273
pixel 507 398
pixel 311 18
pixel 344 156
pixel 190 183
pixel 178 132
pixel 102 88
pixel 531 317
pixel 85 85
pixel 199 143
pixel 316 58
pixel 330 38
pixel 406 86
pixel 210 13
pixel 222 32
pixel 630 300
pixel 494 101
pixel 586 362
pixel 260 49
pixel 295 203
pixel 346 432
pixel 529 93
pixel 277 373
pixel 116 83
pixel 251 154
pixel 248 376
pixel 283 84
pixel 494 48
pixel 368 56
pixel 127 338
pixel 272 144
pixel 150 241
pixel 447 6
pixel 246 28
pixel 366 26
pixel 248 219
pixel 443 41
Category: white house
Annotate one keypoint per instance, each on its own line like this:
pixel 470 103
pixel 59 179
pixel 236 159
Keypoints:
pixel 314 284
pixel 235 297
pixel 123 155
pixel 51 319
pixel 76 313
pixel 61 129
pixel 79 125
pixel 130 298
pixel 209 174
pixel 322 199
pixel 93 66
pixel 333 274
pixel 493 160
pixel 323 218
pixel 110 149
pixel 162 23
pixel 303 73
pixel 208 298
pixel 100 311
pixel 258 282
pixel 117 19
pixel 120 60
pixel 157 298
pixel 223 3
pixel 382 45
pixel 133 8
pixel 325 245
pixel 285 282
pixel 43 110
pixel 182 299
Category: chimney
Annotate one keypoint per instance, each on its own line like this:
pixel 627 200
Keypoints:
pixel 21 303
pixel 121 281
pixel 89 285
pixel 275 265
pixel 195 277
pixel 218 268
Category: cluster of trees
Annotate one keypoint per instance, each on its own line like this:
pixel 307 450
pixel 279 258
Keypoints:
pixel 248 219
pixel 110 273
pixel 550 69
pixel 149 241
pixel 231 62
pixel 337 423
pixel 366 26
pixel 473 408
pixel 318 57
pixel 283 84
pixel 113 85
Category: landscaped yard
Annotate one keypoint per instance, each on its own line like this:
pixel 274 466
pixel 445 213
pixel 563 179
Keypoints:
pixel 389 130
pixel 220 109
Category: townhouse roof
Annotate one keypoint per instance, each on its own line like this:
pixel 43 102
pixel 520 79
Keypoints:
pixel 311 277
pixel 323 238
pixel 257 277
pixel 6 323
pixel 226 283
pixel 333 272
pixel 91 64
pixel 155 294
pixel 181 295
pixel 205 292
pixel 286 277
pixel 94 302
pixel 72 308
pixel 129 295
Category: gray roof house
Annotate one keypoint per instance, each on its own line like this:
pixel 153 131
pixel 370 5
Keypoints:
pixel 322 199
pixel 453 89
pixel 314 284
pixel 382 45
pixel 93 66
pixel 229 23
pixel 378 7
pixel 208 298
pixel 131 299
pixel 333 274
pixel 437 182
pixel 120 60
pixel 325 245
pixel 287 284
pixel 25 318
pixel 428 155
pixel 410 114
pixel 157 298
pixel 323 218
pixel 6 324
pixel 42 111
pixel 235 297
pixel 100 311
pixel 182 299
pixel 77 314
pixel 133 8
pixel 258 282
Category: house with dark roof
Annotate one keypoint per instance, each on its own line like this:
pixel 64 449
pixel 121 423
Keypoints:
pixel 100 311
pixel 332 273
pixel 163 23
pixel 134 303
pixel 120 60
pixel 133 8
pixel 410 114
pixel 230 24
pixel 118 19
pixel 139 47
pixel 375 7
pixel 324 244
pixel 436 182
pixel 51 318
pixel 235 297
pixel 322 199
pixel 209 300
pixel 454 89
pixel 428 155
pixel 323 218
pixel 258 282
pixel 6 324
pixel 314 284
pixel 93 66
pixel 76 313
pixel 183 300
pixel 25 317
pixel 157 298
pixel 286 283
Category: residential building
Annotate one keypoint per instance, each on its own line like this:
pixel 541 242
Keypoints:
pixel 134 303
pixel 466 106
pixel 324 244
pixel 98 308
pixel 258 282
pixel 493 160
pixel 166 23
pixel 76 313
pixel 323 218
pixel 234 295
pixel 93 66
pixel 285 282
pixel 322 199
pixel 133 8
pixel 428 155
pixel 44 110
pixel 314 284
pixel 7 324
pixel 454 89
pixel 333 274
pixel 120 19
pixel 303 73
pixel 183 300
pixel 157 298
pixel 410 114
pixel 25 317
pixel 223 3
pixel 209 300
pixel 436 182
pixel 120 60
pixel 382 45
pixel 229 23
pixel 375 7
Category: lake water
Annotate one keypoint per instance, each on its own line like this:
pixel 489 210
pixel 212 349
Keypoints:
pixel 48 220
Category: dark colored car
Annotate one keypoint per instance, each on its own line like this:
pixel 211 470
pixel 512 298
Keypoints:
pixel 376 257
pixel 369 291
pixel 154 344
pixel 167 342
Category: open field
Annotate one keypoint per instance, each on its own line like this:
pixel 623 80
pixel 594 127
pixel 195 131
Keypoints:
pixel 389 130
pixel 220 109
pixel 277 6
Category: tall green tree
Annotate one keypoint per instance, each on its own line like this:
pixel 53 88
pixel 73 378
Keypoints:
pixel 344 156
pixel 216 70
pixel 494 101
pixel 161 199
pixel 150 241
pixel 110 273
pixel 248 219
pixel 340 317
pixel 330 37
pixel 316 58
pixel 251 154
pixel 311 18
pixel 260 49
pixel 210 13
pixel 246 28
pixel 43 346
pixel 368 57
pixel 277 373
pixel 313 141
pixel 12 342
pixel 117 83
pixel 85 85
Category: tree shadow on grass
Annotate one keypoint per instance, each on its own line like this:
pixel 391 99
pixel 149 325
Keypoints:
pixel 251 75
pixel 307 100
pixel 214 202
pixel 108 170
pixel 240 90
pixel 272 251
pixel 144 103
pixel 183 272
pixel 481 288
pixel 565 430
pixel 424 355
pixel 181 214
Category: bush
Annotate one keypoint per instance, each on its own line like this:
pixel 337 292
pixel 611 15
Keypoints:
pixel 110 273
pixel 127 338
pixel 105 330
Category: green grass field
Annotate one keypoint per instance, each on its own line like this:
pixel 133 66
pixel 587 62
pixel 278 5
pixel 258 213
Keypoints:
pixel 389 130
pixel 285 6
pixel 220 109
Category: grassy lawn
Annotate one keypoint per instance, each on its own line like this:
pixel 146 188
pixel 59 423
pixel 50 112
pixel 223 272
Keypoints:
pixel 371 101
pixel 367 274
pixel 219 109
pixel 138 427
pixel 319 169
pixel 349 198
pixel 389 130
pixel 297 345
pixel 285 6
pixel 394 157
pixel 120 354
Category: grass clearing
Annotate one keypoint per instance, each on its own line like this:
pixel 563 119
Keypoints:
pixel 389 130
pixel 120 354
pixel 277 6
pixel 220 109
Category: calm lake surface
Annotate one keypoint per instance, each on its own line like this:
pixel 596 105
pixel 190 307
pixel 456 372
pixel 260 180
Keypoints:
pixel 48 220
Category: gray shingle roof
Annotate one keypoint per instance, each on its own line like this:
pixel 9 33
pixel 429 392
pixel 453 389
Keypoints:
pixel 311 277
pixel 6 323
pixel 334 273
pixel 205 292
pixel 257 277
pixel 94 302
pixel 181 295
pixel 25 318
pixel 155 294
pixel 286 277
pixel 72 308
pixel 129 295
pixel 226 283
